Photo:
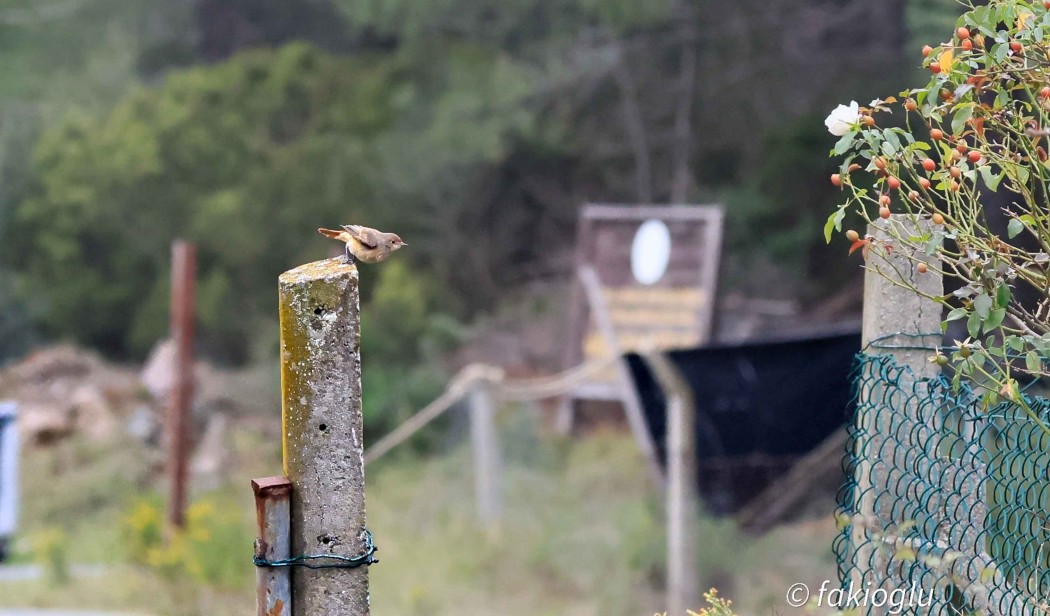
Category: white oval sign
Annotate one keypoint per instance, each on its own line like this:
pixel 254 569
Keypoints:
pixel 650 251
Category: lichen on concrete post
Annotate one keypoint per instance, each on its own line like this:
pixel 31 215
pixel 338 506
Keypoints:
pixel 323 432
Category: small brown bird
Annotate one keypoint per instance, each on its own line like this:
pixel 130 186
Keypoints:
pixel 368 245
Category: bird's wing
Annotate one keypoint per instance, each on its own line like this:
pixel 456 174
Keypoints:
pixel 369 237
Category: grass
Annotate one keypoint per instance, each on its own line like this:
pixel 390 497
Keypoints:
pixel 581 534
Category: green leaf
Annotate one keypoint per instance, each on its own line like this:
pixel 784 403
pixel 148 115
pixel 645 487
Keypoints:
pixel 933 244
pixel 982 305
pixel 956 314
pixel 995 319
pixel 844 143
pixel 991 180
pixel 1014 227
pixel 1033 361
pixel 834 223
pixel 987 574
pixel 1022 175
pixel 1002 296
pixel 973 325
pixel 1003 97
pixel 892 140
pixel 961 117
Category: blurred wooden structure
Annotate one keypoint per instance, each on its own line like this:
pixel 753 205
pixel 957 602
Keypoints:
pixel 647 279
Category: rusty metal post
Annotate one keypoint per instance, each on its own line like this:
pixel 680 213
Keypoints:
pixel 183 287
pixel 273 510
pixel 323 432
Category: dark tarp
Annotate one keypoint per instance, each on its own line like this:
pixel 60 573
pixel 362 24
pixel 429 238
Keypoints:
pixel 760 406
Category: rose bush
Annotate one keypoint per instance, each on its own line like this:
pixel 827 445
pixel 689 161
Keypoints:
pixel 981 125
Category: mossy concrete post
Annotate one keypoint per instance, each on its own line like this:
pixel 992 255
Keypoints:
pixel 323 433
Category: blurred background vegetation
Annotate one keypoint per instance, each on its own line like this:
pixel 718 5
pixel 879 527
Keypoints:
pixel 474 128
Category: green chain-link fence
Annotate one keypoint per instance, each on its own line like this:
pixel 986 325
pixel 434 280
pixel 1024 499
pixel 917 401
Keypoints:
pixel 945 498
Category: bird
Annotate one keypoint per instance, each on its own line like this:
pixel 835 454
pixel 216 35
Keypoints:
pixel 366 244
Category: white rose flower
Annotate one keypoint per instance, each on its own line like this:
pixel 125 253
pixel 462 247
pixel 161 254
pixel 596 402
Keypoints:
pixel 843 119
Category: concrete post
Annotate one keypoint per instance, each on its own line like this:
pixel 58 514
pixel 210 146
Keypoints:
pixel 903 325
pixel 485 444
pixel 323 432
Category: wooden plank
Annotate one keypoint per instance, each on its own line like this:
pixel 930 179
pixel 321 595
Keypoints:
pixel 625 383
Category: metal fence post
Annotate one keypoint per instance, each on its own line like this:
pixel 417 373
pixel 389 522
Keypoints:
pixel 183 283
pixel 323 435
pixel 273 512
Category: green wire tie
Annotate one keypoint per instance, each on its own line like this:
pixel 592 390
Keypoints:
pixel 342 562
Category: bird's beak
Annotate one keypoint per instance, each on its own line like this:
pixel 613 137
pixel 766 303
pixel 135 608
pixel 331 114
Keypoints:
pixel 404 244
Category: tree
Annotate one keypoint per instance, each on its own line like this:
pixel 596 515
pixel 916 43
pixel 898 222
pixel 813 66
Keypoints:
pixel 245 159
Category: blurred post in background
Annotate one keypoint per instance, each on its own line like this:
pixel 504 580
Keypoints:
pixel 323 434
pixel 682 497
pixel 8 475
pixel 183 295
pixel 484 440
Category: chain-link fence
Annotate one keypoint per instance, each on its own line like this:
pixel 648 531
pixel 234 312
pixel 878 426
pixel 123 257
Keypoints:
pixel 947 497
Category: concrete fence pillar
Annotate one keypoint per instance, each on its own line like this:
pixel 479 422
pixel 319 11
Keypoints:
pixel 324 433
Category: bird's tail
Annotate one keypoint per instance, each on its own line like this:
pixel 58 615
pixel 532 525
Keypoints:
pixel 331 233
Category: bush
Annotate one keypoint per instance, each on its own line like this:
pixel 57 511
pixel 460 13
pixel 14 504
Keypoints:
pixel 975 134
pixel 212 548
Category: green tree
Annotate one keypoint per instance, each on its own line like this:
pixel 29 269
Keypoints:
pixel 245 159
